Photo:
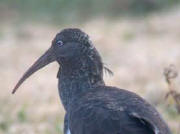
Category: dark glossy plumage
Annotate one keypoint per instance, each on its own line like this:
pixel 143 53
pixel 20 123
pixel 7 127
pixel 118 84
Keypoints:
pixel 108 110
pixel 91 106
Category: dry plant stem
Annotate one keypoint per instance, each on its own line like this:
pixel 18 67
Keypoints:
pixel 170 73
pixel 174 94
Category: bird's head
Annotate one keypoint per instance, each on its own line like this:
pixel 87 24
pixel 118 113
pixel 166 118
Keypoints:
pixel 68 45
pixel 71 44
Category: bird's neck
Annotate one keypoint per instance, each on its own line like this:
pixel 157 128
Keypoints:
pixel 75 79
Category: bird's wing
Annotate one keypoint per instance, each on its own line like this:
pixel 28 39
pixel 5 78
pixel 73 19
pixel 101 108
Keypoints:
pixel 114 111
pixel 98 120
pixel 144 122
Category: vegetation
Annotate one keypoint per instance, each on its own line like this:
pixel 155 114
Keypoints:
pixel 170 74
pixel 81 10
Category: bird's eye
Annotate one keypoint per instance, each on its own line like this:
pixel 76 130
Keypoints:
pixel 59 43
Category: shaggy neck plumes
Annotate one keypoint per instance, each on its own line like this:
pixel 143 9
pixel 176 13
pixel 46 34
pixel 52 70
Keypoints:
pixel 78 76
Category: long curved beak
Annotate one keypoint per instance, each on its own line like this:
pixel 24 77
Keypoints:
pixel 45 59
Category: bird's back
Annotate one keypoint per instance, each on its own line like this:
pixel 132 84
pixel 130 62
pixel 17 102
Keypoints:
pixel 108 110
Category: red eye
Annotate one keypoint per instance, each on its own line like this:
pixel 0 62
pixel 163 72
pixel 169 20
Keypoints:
pixel 59 43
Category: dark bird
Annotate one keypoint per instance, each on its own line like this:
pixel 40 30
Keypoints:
pixel 91 106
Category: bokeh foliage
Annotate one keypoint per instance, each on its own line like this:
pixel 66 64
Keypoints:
pixel 80 10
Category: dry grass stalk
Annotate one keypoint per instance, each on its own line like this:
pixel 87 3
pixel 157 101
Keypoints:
pixel 171 73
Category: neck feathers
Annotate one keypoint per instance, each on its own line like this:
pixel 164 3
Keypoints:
pixel 79 76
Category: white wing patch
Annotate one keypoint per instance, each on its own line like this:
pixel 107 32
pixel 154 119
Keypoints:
pixel 68 131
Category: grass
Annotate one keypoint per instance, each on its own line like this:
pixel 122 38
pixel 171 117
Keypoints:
pixel 63 11
pixel 21 115
pixel 4 126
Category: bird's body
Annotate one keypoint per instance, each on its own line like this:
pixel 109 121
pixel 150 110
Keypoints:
pixel 108 110
pixel 94 108
pixel 91 106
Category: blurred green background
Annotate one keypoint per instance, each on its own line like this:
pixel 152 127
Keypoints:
pixel 65 11
pixel 136 38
